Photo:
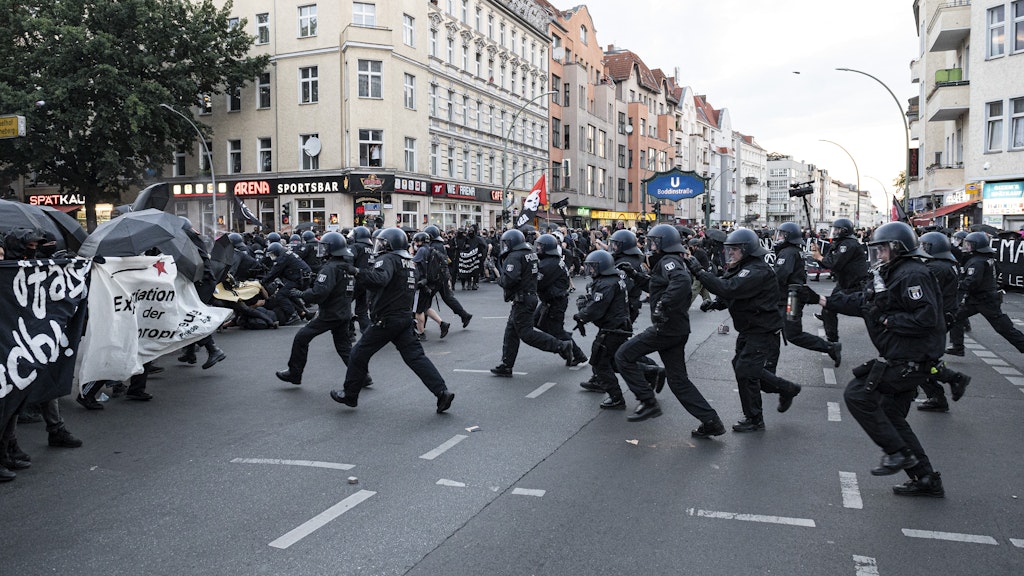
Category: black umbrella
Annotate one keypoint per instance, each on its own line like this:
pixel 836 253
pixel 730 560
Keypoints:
pixel 155 196
pixel 71 231
pixel 20 215
pixel 222 256
pixel 137 232
pixel 186 255
pixel 990 230
pixel 304 226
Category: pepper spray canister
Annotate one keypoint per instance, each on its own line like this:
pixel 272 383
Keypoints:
pixel 794 307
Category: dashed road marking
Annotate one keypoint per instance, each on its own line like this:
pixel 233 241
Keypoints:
pixel 444 447
pixel 830 376
pixel 541 389
pixel 974 346
pixel 452 483
pixel 950 536
pixel 318 521
pixel 805 522
pixel 312 463
pixel 528 492
pixel 984 353
pixel 851 492
pixel 1007 371
pixel 1015 380
pixel 995 361
pixel 485 371
pixel 865 565
pixel 833 412
pixel 1017 542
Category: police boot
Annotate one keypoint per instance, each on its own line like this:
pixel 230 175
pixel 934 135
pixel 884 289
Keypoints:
pixel 710 428
pixel 341 398
pixel 786 398
pixel 63 438
pixel 466 318
pixel 15 451
pixel 955 350
pixel 592 385
pixel 646 409
pixel 502 370
pixel 215 355
pixel 287 376
pixel 188 354
pixel 444 401
pixel 893 463
pixel 925 485
pixel 8 462
pixel 655 376
pixel 934 404
pixel 749 425
pixel 614 402
pixel 835 352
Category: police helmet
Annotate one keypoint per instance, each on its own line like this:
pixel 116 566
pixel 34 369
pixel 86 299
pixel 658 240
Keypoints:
pixel 789 232
pixel 529 232
pixel 623 242
pixel 392 240
pixel 433 231
pixel 600 263
pixel 901 240
pixel 747 241
pixel 335 244
pixel 273 237
pixel 936 244
pixel 513 240
pixel 842 227
pixel 960 235
pixel 547 244
pixel 665 238
pixel 978 242
pixel 421 238
pixel 275 249
pixel 236 240
pixel 685 232
pixel 308 236
pixel 361 235
pixel 295 239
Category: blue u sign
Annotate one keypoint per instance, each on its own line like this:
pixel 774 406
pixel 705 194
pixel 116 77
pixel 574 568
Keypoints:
pixel 675 185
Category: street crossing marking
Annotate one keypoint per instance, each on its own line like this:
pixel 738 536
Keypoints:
pixel 865 565
pixel 312 463
pixel 950 536
pixel 485 371
pixel 318 521
pixel 974 346
pixel 528 492
pixel 1017 542
pixel 830 376
pixel 984 353
pixel 1016 381
pixel 851 492
pixel 1007 371
pixel 805 522
pixel 833 412
pixel 541 389
pixel 444 447
pixel 995 361
pixel 452 483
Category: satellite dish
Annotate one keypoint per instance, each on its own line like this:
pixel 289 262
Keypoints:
pixel 312 147
pixel 629 129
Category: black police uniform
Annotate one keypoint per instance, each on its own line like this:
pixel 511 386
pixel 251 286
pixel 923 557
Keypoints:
pixel 751 292
pixel 947 276
pixel 446 291
pixel 790 269
pixel 391 280
pixel 307 253
pixel 635 286
pixel 332 290
pixel 670 296
pixel 847 259
pixel 607 307
pixel 519 281
pixel 361 260
pixel 979 294
pixel 906 326
pixel 291 270
pixel 553 293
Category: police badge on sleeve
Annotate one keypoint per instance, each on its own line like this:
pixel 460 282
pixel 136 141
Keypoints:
pixel 915 292
pixel 842 249
pixel 669 266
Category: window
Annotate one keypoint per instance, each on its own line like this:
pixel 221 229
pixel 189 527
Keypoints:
pixel 205 159
pixel 479 164
pixel 1016 123
pixel 307 21
pixel 410 91
pixel 479 65
pixel 1018 26
pixel 465 110
pixel 996 31
pixel 234 100
pixel 433 100
pixel 465 165
pixel 233 23
pixel 408 30
pixel 501 34
pixel 565 94
pixel 590 180
pixel 179 162
pixel 265 155
pixel 556 132
pixel 263 90
pixel 451 161
pixel 311 210
pixel 433 159
pixel 994 126
pixel 433 43
pixel 556 176
pixel 501 77
pixel 622 156
pixel 234 156
pixel 601 177
pixel 263 28
pixel 309 85
pixel 465 57
pixel 565 143
pixel 364 14
pixel 410 154
pixel 370 79
pixel 451 106
pixel 371 147
pixel 490 26
pixel 451 51
pixel 622 190
pixel 583 34
pixel 464 14
pixel 601 137
pixel 310 161
pixel 591 132
pixel 555 81
pixel 515 36
pixel 479 115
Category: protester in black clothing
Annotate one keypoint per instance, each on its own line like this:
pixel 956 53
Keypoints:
pixel 391 280
pixel 445 289
pixel 553 293
pixel 360 246
pixel 847 259
pixel 978 293
pixel 519 281
pixel 205 287
pixel 242 264
pixel 472 251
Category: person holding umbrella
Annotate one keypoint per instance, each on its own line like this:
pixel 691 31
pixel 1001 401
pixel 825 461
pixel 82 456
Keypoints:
pixel 205 287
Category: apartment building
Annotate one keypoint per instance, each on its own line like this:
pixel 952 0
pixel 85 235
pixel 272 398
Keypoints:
pixel 750 199
pixel 969 120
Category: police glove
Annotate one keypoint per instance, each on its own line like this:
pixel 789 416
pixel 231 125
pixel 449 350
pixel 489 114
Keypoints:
pixel 693 265
pixel 627 269
pixel 349 268
pixel 950 318
pixel 807 295
pixel 295 293
pixel 658 314
pixel 581 301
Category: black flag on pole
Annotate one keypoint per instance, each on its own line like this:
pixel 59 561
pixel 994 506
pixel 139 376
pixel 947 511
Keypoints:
pixel 245 214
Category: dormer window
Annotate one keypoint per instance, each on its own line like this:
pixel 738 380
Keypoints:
pixel 583 34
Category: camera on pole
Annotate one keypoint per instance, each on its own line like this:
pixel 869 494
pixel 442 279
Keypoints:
pixel 801 189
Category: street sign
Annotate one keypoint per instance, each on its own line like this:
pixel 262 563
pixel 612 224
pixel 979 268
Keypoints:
pixel 675 185
pixel 12 126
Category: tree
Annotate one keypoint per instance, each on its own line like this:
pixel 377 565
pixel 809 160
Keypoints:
pixel 89 76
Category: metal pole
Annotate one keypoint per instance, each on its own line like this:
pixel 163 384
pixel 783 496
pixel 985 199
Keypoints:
pixel 206 150
pixel 857 170
pixel 504 150
pixel 906 128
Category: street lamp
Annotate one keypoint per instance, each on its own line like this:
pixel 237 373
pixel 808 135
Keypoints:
pixel 906 126
pixel 209 157
pixel 857 170
pixel 504 151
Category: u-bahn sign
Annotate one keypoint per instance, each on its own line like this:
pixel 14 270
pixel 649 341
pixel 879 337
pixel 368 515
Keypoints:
pixel 675 185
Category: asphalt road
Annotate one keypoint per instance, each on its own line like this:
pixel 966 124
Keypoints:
pixel 229 471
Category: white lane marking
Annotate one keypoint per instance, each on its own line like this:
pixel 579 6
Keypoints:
pixel 833 412
pixel 851 492
pixel 1007 371
pixel 951 536
pixel 540 390
pixel 318 521
pixel 1017 542
pixel 984 354
pixel 808 523
pixel 830 376
pixel 821 332
pixel 312 463
pixel 973 346
pixel 494 317
pixel 865 565
pixel 995 361
pixel 444 447
pixel 452 483
pixel 1016 381
pixel 485 371
pixel 528 492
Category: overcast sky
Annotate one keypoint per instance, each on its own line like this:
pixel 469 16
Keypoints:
pixel 742 54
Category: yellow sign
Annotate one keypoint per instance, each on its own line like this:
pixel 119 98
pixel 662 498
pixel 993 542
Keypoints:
pixel 12 126
pixel 625 216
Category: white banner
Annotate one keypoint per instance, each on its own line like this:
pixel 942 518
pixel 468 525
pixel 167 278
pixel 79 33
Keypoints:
pixel 139 310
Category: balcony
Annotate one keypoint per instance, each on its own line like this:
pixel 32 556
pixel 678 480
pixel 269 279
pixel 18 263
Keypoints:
pixel 950 99
pixel 915 71
pixel 750 198
pixel 950 25
pixel 750 180
pixel 942 177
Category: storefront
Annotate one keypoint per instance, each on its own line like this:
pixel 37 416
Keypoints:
pixel 73 204
pixel 610 218
pixel 456 205
pixel 1003 205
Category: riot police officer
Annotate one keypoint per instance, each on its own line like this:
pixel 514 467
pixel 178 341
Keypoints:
pixel 308 251
pixel 979 293
pixel 553 293
pixel 332 290
pixel 902 312
pixel 789 270
pixel 519 281
pixel 751 293
pixel 391 280
pixel 361 246
pixel 848 262
pixel 447 290
pixel 292 272
pixel 242 263
pixel 670 299
pixel 606 305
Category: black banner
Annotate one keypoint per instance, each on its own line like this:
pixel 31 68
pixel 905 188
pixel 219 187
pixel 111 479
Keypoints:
pixel 1010 263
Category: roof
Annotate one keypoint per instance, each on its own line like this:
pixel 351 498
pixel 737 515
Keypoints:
pixel 619 65
pixel 705 111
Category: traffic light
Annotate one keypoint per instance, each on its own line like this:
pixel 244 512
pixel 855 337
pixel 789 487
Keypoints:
pixel 285 213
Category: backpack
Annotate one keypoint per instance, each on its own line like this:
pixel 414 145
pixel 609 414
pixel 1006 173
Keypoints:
pixel 436 269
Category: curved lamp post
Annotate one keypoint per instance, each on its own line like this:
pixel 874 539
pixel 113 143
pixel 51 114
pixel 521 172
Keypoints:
pixel 206 150
pixel 505 205
pixel 855 169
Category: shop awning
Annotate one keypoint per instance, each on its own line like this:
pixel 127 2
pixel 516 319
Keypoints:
pixel 926 217
pixel 69 208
